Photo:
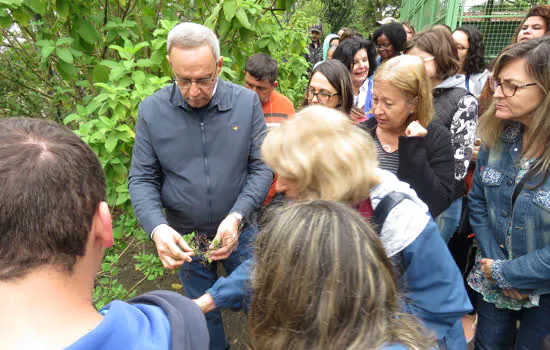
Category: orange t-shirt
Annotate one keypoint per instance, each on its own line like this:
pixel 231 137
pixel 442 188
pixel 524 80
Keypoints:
pixel 276 110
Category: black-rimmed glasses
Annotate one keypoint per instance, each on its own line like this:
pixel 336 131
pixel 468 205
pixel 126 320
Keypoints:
pixel 322 97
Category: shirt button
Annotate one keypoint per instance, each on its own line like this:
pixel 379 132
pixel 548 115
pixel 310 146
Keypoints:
pixel 504 213
pixel 510 182
pixel 515 149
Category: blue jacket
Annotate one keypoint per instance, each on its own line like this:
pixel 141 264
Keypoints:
pixel 155 320
pixel 491 214
pixel 433 287
pixel 198 164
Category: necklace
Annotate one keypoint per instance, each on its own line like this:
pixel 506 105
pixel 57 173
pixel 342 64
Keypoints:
pixel 385 143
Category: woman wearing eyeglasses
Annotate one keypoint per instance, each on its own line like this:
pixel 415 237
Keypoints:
pixel 330 85
pixel 390 40
pixel 510 203
pixel 454 106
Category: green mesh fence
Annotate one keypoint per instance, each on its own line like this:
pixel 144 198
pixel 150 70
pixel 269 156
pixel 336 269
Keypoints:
pixel 496 19
pixel 425 13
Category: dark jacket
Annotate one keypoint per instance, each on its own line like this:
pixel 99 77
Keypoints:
pixel 198 164
pixel 154 320
pixel 426 164
pixel 315 53
pixel 457 109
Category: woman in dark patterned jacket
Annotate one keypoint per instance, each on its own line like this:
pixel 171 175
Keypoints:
pixel 454 106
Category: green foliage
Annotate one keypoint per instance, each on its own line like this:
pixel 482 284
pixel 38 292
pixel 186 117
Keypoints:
pixel 88 64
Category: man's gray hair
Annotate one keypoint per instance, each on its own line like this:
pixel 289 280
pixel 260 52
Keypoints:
pixel 189 35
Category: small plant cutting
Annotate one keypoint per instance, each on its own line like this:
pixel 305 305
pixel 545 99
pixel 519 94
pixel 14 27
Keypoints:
pixel 200 243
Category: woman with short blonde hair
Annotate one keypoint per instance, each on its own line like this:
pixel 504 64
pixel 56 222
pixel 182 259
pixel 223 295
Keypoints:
pixel 408 144
pixel 310 160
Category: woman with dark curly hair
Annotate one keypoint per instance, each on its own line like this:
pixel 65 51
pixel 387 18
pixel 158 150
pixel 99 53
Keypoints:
pixel 359 57
pixel 390 40
pixel 471 53
pixel 535 24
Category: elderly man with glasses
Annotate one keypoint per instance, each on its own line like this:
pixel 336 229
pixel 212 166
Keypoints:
pixel 196 166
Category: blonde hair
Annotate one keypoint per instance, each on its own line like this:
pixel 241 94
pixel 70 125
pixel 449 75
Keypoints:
pixel 323 281
pixel 325 154
pixel 408 74
pixel 536 53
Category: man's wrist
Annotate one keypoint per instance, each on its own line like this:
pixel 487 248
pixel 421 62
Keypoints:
pixel 155 230
pixel 238 216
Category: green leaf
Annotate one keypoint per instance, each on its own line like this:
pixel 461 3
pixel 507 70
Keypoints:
pixel 39 6
pixel 157 58
pixel 109 63
pixel 70 118
pixel 262 43
pixel 117 73
pixel 87 32
pixel 64 54
pixel 47 51
pixel 144 63
pixel 223 27
pixel 64 40
pixel 243 19
pixel 62 8
pixel 139 47
pixel 229 9
pixel 6 21
pixel 66 70
pixel 213 18
pixel 100 74
pixel 122 198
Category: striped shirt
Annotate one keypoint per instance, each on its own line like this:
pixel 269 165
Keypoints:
pixel 387 160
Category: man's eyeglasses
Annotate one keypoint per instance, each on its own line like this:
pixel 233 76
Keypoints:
pixel 204 83
pixel 508 89
pixel 322 97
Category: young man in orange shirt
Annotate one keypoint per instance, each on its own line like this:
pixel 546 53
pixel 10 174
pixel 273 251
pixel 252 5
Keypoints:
pixel 261 77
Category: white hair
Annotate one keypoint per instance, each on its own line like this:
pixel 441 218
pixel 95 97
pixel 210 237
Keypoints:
pixel 189 35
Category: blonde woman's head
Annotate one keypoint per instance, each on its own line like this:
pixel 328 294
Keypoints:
pixel 402 93
pixel 321 154
pixel 323 281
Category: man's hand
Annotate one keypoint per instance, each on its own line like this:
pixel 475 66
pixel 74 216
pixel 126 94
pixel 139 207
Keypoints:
pixel 168 243
pixel 415 129
pixel 228 236
pixel 205 302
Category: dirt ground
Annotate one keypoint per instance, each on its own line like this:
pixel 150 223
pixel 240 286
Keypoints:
pixel 235 323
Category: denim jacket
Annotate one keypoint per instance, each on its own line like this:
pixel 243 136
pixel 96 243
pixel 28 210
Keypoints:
pixel 491 215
